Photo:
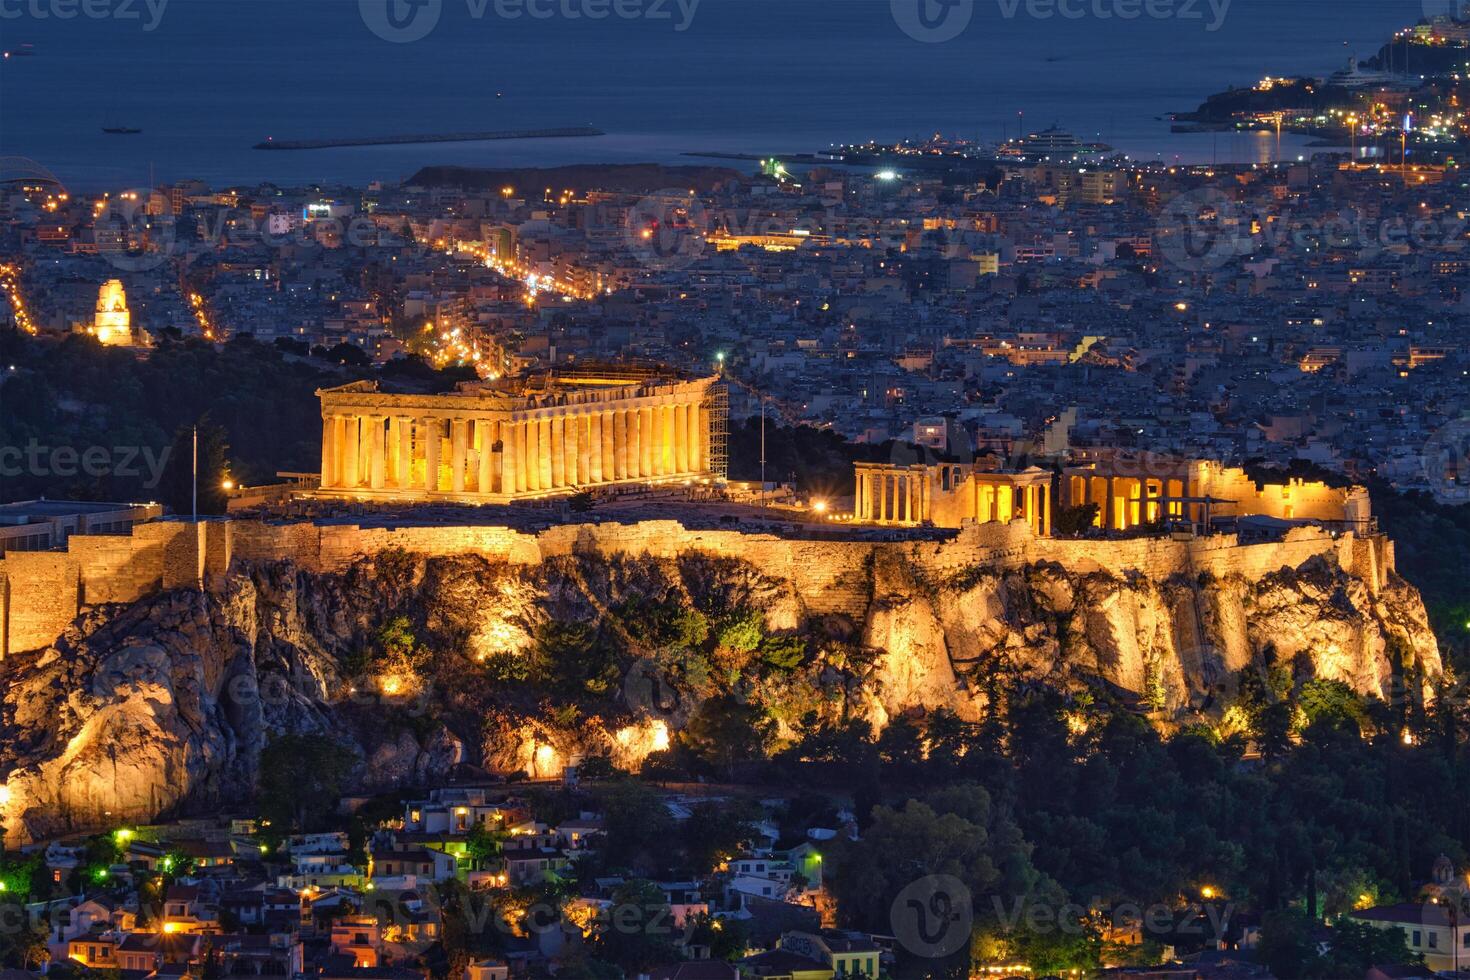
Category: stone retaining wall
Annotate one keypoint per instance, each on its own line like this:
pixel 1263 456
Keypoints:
pixel 42 592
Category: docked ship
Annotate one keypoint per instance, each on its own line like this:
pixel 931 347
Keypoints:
pixel 1052 143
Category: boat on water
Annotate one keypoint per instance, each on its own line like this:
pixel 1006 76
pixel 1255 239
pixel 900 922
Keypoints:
pixel 121 130
pixel 1052 143
pixel 21 51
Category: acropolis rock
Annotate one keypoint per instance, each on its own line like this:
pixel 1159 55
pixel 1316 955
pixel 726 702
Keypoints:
pixel 182 651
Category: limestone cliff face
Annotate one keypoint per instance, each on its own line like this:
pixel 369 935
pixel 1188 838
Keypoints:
pixel 164 705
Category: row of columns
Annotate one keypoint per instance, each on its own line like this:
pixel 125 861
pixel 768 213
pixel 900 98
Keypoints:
pixel 904 496
pixel 1006 502
pixel 506 455
pixel 892 497
pixel 1125 502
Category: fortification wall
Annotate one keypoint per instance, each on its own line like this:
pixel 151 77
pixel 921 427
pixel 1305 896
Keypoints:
pixel 42 592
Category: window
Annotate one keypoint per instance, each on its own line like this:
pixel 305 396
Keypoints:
pixel 1434 940
pixel 1417 939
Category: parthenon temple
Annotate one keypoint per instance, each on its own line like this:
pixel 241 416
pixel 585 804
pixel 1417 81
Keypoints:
pixel 951 494
pixel 494 442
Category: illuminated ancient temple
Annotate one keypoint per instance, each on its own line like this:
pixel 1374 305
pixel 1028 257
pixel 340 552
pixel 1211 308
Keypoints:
pixel 493 442
pixel 951 494
pixel 112 323
pixel 1134 489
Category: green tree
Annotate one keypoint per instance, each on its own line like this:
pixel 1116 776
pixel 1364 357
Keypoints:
pixel 176 486
pixel 725 732
pixel 301 780
pixel 482 845
pixel 1073 521
pixel 639 932
pixel 636 819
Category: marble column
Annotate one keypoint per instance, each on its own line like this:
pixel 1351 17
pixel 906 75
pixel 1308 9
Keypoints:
pixel 377 459
pixel 621 455
pixel 572 441
pixel 351 453
pixel 543 441
pixel 391 450
pixel 523 465
pixel 558 451
pixel 433 430
pixel 329 449
pixel 704 437
pixel 508 459
pixel 459 448
pixel 671 453
pixel 857 496
pixel 584 449
pixel 609 447
pixel 485 430
pixel 598 446
pixel 532 455
pixel 1110 512
pixel 681 438
pixel 645 442
pixel 660 443
pixel 403 474
pixel 696 441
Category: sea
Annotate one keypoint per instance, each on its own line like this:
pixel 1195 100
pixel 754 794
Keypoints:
pixel 205 80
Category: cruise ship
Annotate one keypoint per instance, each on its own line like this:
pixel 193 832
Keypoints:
pixel 1357 77
pixel 1051 143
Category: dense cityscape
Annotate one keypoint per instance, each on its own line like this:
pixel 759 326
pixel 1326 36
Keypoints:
pixel 926 556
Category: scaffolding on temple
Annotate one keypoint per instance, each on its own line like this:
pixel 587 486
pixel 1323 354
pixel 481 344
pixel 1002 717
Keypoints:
pixel 717 401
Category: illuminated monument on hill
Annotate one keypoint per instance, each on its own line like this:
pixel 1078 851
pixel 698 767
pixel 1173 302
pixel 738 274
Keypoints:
pixel 112 323
pixel 522 438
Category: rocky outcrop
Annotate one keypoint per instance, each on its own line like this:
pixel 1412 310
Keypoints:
pixel 164 705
